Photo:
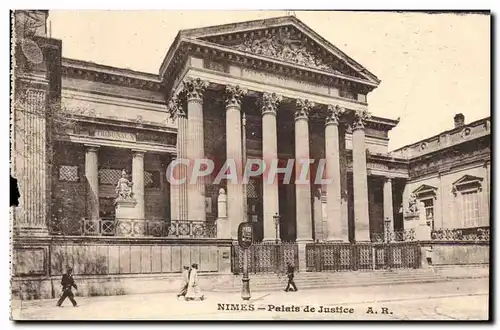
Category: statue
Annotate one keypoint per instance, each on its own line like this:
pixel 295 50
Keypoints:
pixel 124 187
pixel 412 204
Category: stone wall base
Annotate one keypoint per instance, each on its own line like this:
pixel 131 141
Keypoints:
pixel 49 288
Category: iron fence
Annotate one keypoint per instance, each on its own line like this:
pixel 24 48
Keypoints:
pixel 265 257
pixel 134 227
pixel 361 256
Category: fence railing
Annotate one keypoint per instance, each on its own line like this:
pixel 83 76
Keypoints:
pixel 477 234
pixel 362 256
pixel 480 234
pixel 134 227
pixel 405 235
pixel 266 257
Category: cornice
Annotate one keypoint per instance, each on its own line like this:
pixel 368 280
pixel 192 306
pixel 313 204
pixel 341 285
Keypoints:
pixel 212 51
pixel 109 75
pixel 448 132
pixel 129 124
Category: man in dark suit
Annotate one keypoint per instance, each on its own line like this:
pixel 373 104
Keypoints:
pixel 290 275
pixel 67 283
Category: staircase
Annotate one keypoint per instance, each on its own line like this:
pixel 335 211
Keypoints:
pixel 274 282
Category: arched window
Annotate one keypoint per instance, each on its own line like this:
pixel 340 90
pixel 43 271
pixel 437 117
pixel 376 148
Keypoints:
pixel 467 192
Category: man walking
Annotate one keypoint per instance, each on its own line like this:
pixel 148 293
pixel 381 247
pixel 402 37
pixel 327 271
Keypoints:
pixel 67 283
pixel 185 278
pixel 290 275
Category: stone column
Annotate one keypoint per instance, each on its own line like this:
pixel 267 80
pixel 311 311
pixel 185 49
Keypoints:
pixel 177 110
pixel 91 174
pixel 360 179
pixel 30 154
pixel 138 182
pixel 234 152
pixel 302 190
pixel 270 104
pixel 388 211
pixel 194 90
pixel 337 225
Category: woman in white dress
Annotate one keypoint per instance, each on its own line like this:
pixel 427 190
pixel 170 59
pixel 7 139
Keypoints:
pixel 194 290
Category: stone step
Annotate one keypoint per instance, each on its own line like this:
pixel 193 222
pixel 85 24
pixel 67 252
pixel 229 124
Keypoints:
pixel 311 281
pixel 333 276
pixel 334 285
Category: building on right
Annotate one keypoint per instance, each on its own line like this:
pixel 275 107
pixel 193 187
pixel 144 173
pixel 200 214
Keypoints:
pixel 449 177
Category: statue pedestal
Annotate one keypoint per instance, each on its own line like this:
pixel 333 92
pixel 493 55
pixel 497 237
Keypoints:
pixel 418 222
pixel 127 223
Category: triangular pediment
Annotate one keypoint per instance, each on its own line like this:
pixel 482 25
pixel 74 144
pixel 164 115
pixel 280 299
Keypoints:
pixel 285 39
pixel 468 179
pixel 425 190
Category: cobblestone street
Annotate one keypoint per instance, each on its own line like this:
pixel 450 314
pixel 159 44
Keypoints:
pixel 456 300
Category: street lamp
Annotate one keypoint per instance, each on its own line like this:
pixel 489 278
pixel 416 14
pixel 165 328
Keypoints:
pixel 387 230
pixel 277 218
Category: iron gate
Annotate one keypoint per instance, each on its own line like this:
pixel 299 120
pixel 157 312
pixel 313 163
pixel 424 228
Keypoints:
pixel 362 256
pixel 265 257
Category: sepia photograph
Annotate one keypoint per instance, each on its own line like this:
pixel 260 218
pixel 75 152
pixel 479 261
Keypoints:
pixel 250 165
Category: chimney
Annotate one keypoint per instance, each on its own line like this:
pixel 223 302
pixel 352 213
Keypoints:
pixel 459 120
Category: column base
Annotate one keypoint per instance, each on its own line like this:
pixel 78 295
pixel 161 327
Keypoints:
pixel 223 228
pixel 337 239
pixel 302 254
pixel 362 236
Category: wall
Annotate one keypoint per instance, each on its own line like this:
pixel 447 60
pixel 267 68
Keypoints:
pixel 375 205
pixel 460 253
pixel 69 198
pixel 39 263
pixel 117 108
pixel 446 205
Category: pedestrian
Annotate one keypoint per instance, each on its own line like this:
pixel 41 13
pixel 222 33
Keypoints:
pixel 185 279
pixel 194 290
pixel 67 283
pixel 290 275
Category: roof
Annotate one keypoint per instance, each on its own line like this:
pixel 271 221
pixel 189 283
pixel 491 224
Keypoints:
pixel 211 31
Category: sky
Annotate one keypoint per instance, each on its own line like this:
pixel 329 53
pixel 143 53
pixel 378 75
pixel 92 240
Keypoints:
pixel 432 66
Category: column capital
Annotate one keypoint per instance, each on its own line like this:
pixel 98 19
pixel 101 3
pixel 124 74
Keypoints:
pixel 194 89
pixel 303 108
pixel 234 96
pixel 92 147
pixel 270 103
pixel 175 108
pixel 388 179
pixel 138 152
pixel 333 114
pixel 360 119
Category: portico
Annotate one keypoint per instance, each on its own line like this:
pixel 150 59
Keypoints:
pixel 282 94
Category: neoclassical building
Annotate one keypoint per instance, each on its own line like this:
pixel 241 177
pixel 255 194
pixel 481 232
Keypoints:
pixel 266 89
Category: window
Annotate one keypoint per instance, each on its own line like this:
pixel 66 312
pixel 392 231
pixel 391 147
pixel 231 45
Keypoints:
pixel 467 191
pixel 110 176
pixel 470 209
pixel 152 179
pixel 429 210
pixel 68 173
pixel 427 194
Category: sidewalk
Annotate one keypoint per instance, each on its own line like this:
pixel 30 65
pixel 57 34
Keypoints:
pixel 167 306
